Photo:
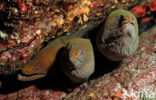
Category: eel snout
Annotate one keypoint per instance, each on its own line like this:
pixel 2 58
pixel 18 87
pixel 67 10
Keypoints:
pixel 128 31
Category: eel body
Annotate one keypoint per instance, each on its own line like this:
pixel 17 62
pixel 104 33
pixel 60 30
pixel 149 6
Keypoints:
pixel 77 61
pixel 44 60
pixel 118 37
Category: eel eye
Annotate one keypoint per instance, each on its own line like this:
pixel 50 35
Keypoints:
pixel 37 68
pixel 120 18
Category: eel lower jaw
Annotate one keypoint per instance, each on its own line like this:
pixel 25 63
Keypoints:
pixel 29 78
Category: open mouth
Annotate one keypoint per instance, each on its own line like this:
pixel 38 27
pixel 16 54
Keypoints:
pixel 23 77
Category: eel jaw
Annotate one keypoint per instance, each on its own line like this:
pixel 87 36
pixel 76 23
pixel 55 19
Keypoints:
pixel 29 78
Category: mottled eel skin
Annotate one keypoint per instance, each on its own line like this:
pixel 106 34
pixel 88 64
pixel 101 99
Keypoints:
pixel 78 60
pixel 118 37
pixel 41 63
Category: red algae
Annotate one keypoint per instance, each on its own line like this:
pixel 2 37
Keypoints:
pixel 22 6
pixel 146 19
pixel 152 5
pixel 144 11
pixel 139 11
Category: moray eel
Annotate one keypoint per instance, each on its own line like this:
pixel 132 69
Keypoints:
pixel 118 37
pixel 77 61
pixel 40 64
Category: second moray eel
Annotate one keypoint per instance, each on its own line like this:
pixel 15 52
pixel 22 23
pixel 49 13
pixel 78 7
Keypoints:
pixel 118 37
pixel 42 62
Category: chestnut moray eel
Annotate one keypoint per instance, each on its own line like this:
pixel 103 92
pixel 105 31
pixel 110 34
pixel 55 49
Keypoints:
pixel 40 64
pixel 118 37
pixel 77 61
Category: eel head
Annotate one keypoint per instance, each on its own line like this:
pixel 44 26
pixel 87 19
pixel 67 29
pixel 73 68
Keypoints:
pixel 30 72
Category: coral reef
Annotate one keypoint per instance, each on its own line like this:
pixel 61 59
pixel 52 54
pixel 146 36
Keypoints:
pixel 27 26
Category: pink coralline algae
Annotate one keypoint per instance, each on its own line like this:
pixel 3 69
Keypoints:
pixel 18 57
pixel 32 93
pixel 23 7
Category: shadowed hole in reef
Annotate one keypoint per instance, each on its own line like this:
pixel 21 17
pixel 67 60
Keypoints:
pixel 102 64
pixel 11 84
